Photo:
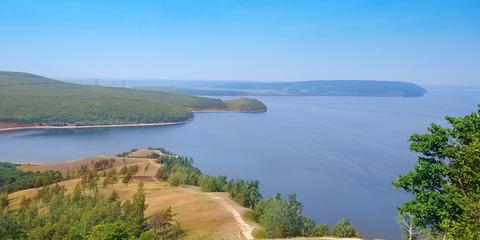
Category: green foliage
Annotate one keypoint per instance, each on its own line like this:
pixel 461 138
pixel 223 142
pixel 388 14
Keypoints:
pixel 245 192
pixel 212 184
pixel 110 231
pixel 12 179
pixel 446 179
pixel 103 164
pixel 164 224
pixel 46 193
pixel 149 235
pixel 320 230
pixel 79 216
pixel 178 170
pixel 10 227
pixel 30 99
pixel 127 173
pixel 282 218
pixel 134 212
pixel 279 218
pixel 3 201
pixel 245 105
pixel 344 229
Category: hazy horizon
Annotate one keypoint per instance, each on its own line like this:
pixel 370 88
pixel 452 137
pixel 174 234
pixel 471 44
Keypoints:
pixel 424 42
pixel 138 81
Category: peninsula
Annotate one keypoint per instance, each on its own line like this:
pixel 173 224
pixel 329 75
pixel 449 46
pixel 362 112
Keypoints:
pixel 32 101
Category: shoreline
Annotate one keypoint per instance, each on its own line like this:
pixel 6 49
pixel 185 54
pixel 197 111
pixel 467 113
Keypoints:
pixel 220 111
pixel 20 127
pixel 227 111
pixel 91 126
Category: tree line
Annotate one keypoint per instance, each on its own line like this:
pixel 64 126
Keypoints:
pixel 13 179
pixel 82 215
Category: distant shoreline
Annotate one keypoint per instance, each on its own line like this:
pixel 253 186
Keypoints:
pixel 5 129
pixel 227 111
pixel 19 127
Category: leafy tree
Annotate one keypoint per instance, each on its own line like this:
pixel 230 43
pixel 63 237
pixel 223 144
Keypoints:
pixel 149 235
pixel 247 193
pixel 110 231
pixel 445 179
pixel 133 212
pixel 344 229
pixel 76 216
pixel 9 226
pixel 13 179
pixel 320 230
pixel 165 225
pixel 77 193
pixel 3 201
pixel 212 184
pixel 282 218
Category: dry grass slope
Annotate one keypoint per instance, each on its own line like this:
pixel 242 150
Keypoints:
pixel 203 215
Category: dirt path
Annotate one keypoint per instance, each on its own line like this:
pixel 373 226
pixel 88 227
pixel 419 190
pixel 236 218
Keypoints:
pixel 246 228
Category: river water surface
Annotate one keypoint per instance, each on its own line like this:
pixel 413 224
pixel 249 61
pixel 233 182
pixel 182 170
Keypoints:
pixel 339 154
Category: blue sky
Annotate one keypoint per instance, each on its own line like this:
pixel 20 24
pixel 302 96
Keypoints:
pixel 423 41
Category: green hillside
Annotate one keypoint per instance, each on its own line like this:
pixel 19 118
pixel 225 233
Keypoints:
pixel 245 105
pixel 31 99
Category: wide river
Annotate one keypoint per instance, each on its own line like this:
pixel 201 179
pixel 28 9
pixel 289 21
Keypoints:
pixel 339 154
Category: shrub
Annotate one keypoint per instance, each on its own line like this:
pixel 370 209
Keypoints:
pixel 212 184
pixel 110 231
pixel 282 218
pixel 344 229
pixel 320 230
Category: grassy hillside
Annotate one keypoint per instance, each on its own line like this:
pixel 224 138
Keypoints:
pixel 31 99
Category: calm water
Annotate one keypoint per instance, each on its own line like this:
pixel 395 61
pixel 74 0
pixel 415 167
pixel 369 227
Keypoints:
pixel 338 153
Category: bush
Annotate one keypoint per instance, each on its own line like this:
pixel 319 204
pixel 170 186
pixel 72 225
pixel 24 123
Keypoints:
pixel 319 231
pixel 110 231
pixel 12 179
pixel 282 218
pixel 212 184
pixel 246 193
pixel 344 229
pixel 149 235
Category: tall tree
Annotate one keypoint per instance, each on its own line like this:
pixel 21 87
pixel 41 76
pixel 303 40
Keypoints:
pixel 445 182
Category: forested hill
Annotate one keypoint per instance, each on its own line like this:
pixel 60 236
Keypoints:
pixel 337 88
pixel 301 88
pixel 30 99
